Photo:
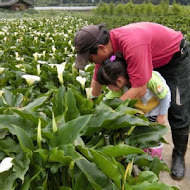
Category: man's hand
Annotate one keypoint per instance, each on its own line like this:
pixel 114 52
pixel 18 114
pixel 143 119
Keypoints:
pixel 96 88
pixel 134 93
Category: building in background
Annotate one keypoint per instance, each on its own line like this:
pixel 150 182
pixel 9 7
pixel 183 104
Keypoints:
pixel 16 4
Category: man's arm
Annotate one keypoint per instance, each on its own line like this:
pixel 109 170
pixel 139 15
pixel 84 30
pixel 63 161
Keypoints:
pixel 96 88
pixel 134 93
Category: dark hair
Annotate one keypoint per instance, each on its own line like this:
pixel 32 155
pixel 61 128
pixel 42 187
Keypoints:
pixel 104 39
pixel 109 71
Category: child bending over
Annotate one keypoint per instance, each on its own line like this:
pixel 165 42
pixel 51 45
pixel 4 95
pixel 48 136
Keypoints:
pixel 156 101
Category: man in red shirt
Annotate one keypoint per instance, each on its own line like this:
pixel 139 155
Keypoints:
pixel 145 46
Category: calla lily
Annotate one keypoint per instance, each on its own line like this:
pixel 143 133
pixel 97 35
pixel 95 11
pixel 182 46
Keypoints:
pixel 1 93
pixel 60 69
pixel 35 55
pixel 1 69
pixel 53 49
pixel 6 164
pixel 44 54
pixel 81 80
pixel 30 79
pixel 88 92
pixel 38 69
pixel 42 62
pixel 86 67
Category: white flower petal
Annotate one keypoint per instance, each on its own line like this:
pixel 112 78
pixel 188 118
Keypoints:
pixel 6 164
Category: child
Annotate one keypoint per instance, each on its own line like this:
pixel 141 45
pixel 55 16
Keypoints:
pixel 156 101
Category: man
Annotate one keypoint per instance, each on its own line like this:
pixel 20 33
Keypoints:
pixel 145 46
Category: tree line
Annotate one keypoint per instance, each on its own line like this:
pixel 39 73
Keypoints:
pixel 95 2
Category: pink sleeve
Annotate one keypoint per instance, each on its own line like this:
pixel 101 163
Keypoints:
pixel 96 71
pixel 139 61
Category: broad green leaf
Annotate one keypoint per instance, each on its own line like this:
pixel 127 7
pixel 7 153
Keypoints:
pixel 21 165
pixel 72 111
pixel 8 145
pixel 32 116
pixel 58 156
pixel 59 106
pixel 7 121
pixel 69 150
pixel 7 180
pixel 68 133
pixel 142 135
pixel 85 106
pixel 11 99
pixel 151 186
pixel 97 179
pixel 107 167
pixel 82 183
pixel 121 150
pixel 148 176
pixel 35 104
pixel 64 188
pixel 107 118
pixel 25 141
pixel 44 153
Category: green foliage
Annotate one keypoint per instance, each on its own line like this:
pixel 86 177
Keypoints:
pixel 58 138
pixel 145 8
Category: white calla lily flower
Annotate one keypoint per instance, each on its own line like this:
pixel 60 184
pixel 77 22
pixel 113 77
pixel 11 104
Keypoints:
pixel 30 79
pixel 1 69
pixel 1 93
pixel 60 69
pixel 38 69
pixel 42 62
pixel 6 164
pixel 81 80
pixel 88 92
pixel 35 55
pixel 86 67
pixel 53 49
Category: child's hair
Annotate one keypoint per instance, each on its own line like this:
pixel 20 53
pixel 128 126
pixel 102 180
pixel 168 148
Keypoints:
pixel 111 69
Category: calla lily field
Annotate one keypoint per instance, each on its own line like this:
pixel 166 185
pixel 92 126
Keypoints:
pixel 52 136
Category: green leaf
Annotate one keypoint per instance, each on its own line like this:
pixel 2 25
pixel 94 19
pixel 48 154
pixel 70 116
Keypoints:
pixel 151 186
pixel 107 167
pixel 72 111
pixel 82 183
pixel 8 145
pixel 7 180
pixel 35 104
pixel 11 99
pixel 142 135
pixel 106 118
pixel 68 133
pixel 25 141
pixel 58 156
pixel 59 106
pixel 32 116
pixel 97 179
pixel 121 150
pixel 21 165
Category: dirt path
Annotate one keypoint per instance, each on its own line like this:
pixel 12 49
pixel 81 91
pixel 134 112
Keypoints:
pixel 167 152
